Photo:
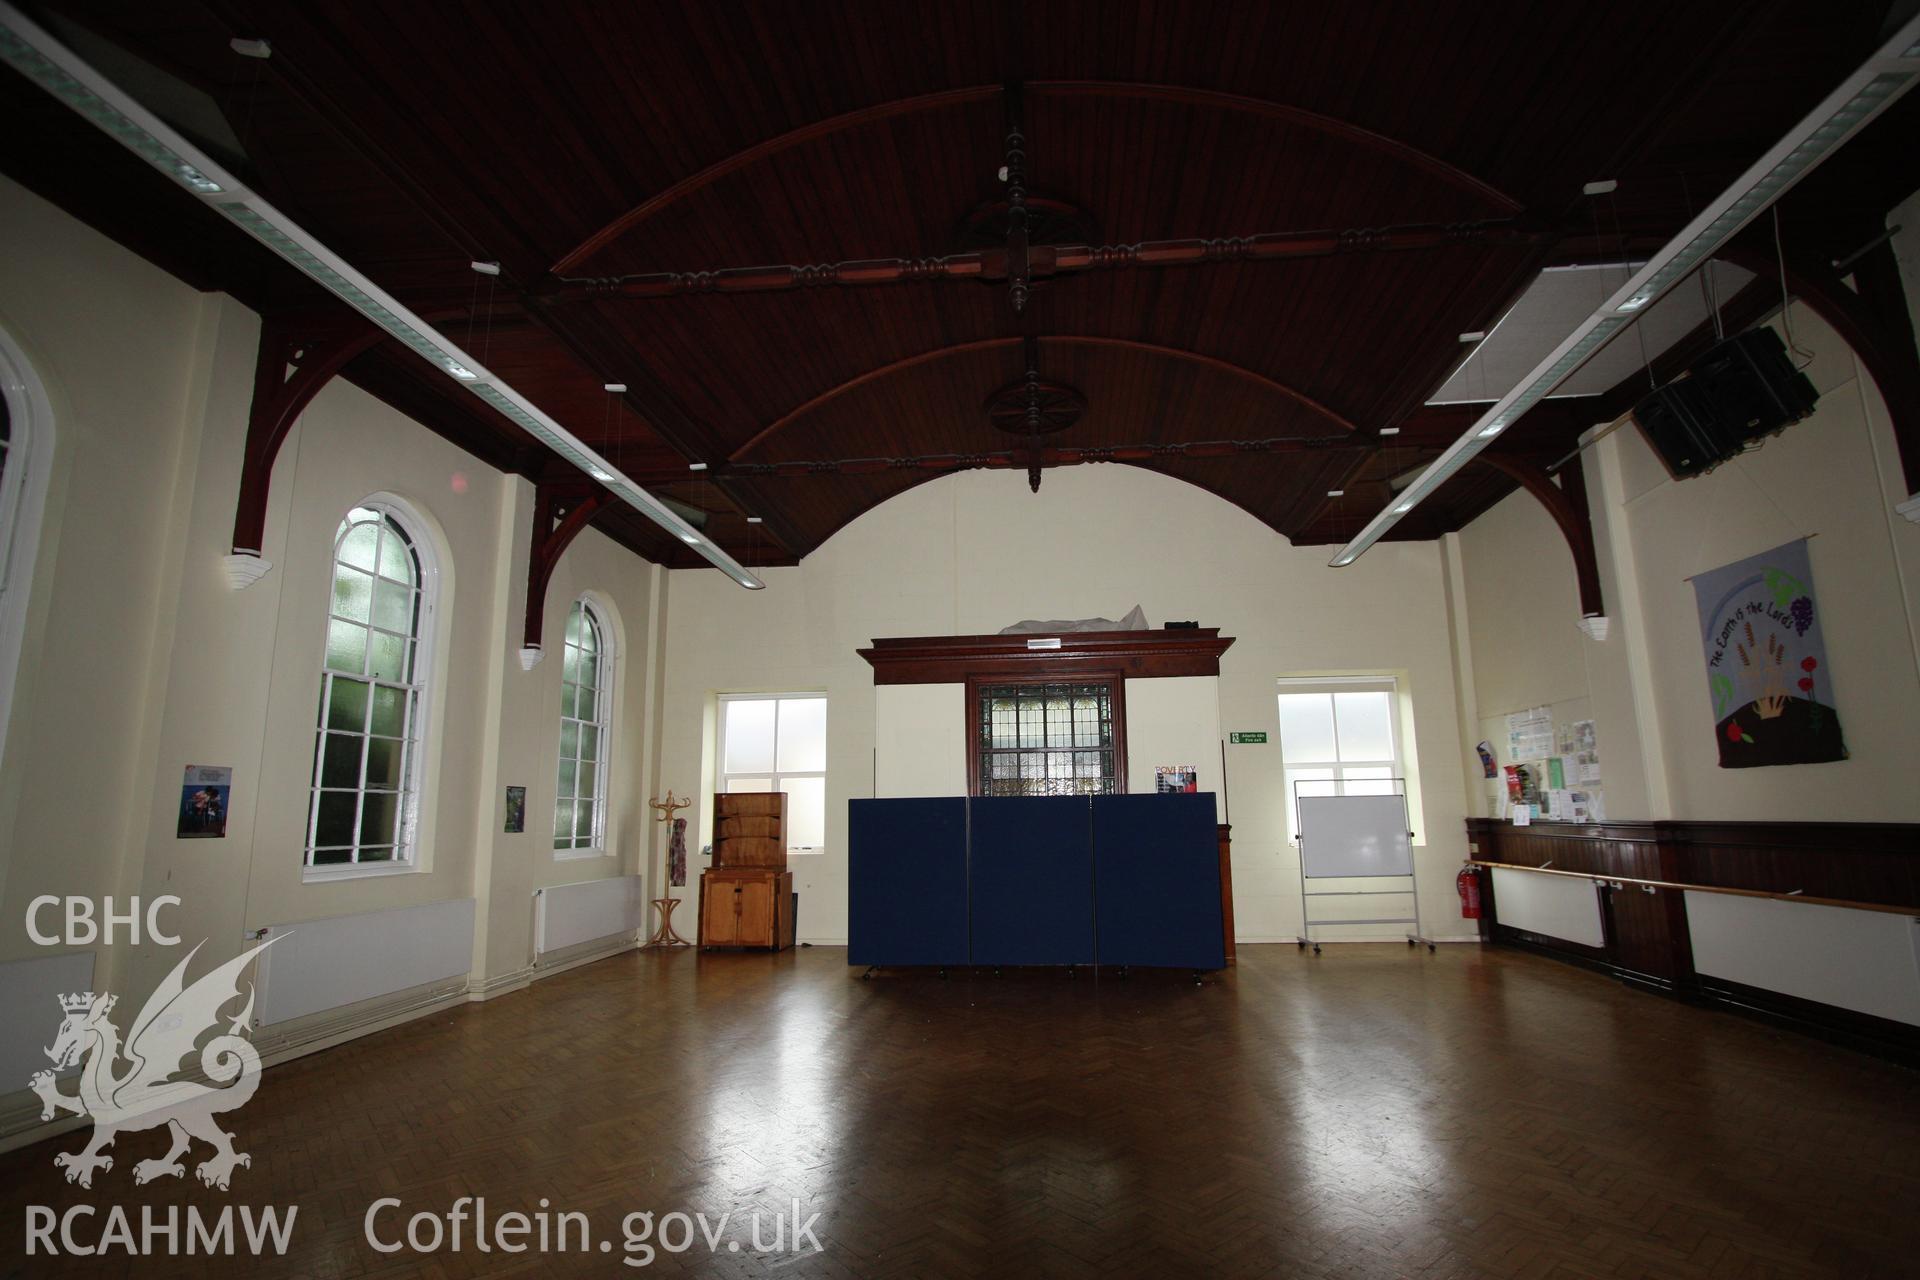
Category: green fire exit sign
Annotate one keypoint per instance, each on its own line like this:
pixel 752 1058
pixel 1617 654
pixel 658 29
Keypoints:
pixel 1246 737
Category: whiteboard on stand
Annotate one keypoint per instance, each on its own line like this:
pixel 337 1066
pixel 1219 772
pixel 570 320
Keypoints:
pixel 1354 836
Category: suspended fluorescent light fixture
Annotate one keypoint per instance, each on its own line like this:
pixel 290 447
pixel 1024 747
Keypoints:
pixel 1874 86
pixel 34 53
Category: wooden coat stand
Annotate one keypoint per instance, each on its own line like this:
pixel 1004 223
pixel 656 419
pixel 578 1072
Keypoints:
pixel 663 933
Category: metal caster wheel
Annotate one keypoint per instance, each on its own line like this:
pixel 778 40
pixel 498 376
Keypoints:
pixel 1430 949
pixel 1316 948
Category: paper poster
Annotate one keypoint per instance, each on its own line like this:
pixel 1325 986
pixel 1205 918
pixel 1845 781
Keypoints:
pixel 1530 734
pixel 1522 815
pixel 1766 660
pixel 204 796
pixel 516 810
pixel 1176 777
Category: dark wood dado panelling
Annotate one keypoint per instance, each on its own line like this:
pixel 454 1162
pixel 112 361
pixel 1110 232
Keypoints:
pixel 1611 849
pixel 1876 862
pixel 1134 655
pixel 1646 932
pixel 1645 926
pixel 1852 861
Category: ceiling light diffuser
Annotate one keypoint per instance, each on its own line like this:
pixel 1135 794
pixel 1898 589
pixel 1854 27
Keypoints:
pixel 1873 86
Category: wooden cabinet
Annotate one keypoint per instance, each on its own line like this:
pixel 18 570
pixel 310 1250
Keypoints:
pixel 746 896
pixel 746 907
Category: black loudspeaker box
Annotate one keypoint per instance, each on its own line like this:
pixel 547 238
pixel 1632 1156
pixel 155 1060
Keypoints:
pixel 1739 391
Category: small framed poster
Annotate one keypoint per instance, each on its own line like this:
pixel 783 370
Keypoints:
pixel 1176 777
pixel 516 810
pixel 204 797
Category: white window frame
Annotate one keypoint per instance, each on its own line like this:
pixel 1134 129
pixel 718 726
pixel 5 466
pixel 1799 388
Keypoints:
pixel 23 497
pixel 1396 766
pixel 774 776
pixel 595 617
pixel 413 777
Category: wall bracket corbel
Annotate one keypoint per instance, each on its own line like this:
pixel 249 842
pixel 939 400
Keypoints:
pixel 299 354
pixel 560 512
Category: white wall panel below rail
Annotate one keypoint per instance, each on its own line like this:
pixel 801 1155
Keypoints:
pixel 1866 961
pixel 1558 906
pixel 30 992
pixel 565 915
pixel 342 960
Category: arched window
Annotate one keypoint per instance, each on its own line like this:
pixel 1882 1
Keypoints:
pixel 366 759
pixel 586 715
pixel 26 463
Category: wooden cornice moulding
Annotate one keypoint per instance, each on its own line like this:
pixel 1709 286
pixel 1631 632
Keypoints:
pixel 1135 655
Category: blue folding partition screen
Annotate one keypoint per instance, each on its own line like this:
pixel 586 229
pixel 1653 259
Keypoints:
pixel 907 881
pixel 1157 872
pixel 1035 880
pixel 1032 879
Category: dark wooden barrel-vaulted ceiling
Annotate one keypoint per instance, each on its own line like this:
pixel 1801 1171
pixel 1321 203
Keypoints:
pixel 583 145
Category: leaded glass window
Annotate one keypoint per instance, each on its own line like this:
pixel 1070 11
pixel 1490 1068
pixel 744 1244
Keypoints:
pixel 580 813
pixel 1047 740
pixel 366 764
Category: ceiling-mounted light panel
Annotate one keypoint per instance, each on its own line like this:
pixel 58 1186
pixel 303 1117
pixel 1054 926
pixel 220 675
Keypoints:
pixel 1873 86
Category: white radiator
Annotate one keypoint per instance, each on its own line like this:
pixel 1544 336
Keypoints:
pixel 341 960
pixel 1867 961
pixel 1556 906
pixel 565 915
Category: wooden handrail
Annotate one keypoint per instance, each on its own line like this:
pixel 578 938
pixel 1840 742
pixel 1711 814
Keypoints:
pixel 1602 878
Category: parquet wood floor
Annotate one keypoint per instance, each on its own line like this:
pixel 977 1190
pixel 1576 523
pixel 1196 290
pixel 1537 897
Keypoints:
pixel 1373 1113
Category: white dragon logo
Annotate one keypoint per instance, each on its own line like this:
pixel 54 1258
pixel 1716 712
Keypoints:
pixel 145 1095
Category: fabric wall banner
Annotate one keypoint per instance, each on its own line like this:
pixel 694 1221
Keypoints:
pixel 1766 661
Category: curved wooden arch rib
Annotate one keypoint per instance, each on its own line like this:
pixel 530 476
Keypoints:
pixel 788 419
pixel 1569 514
pixel 925 477
pixel 1333 126
pixel 760 151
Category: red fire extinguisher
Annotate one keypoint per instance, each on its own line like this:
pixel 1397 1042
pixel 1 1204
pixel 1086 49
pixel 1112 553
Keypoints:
pixel 1468 883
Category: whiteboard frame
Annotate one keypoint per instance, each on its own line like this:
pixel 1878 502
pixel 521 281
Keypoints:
pixel 1410 875
pixel 1401 835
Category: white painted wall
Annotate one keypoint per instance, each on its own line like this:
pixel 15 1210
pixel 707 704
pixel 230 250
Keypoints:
pixel 971 553
pixel 139 658
pixel 1174 720
pixel 919 737
pixel 1835 475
